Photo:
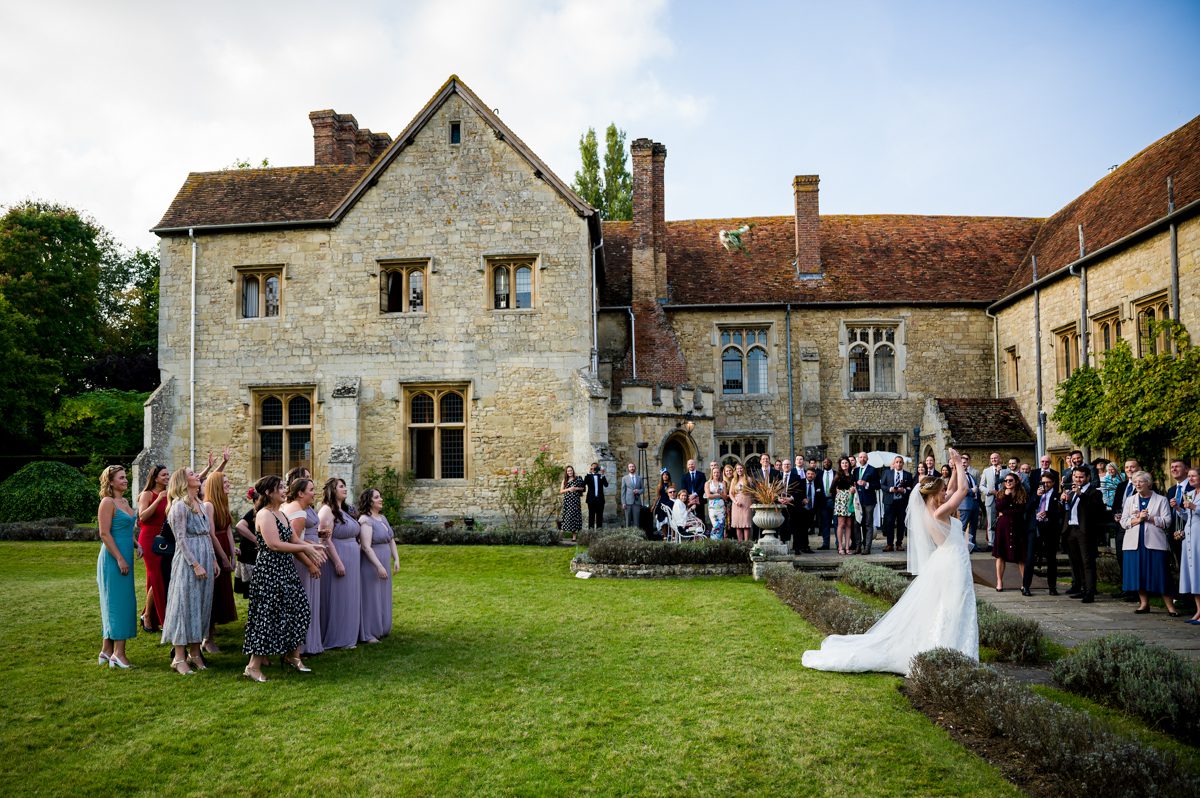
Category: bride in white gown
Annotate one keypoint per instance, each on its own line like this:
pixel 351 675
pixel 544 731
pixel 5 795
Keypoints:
pixel 937 609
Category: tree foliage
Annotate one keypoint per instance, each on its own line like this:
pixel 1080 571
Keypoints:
pixel 28 380
pixel 1137 407
pixel 104 425
pixel 610 192
pixel 48 490
pixel 126 357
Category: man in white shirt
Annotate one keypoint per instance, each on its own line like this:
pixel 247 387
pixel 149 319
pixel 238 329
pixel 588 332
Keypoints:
pixel 991 485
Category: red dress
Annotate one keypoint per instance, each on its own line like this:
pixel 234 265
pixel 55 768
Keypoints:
pixel 156 591
pixel 223 608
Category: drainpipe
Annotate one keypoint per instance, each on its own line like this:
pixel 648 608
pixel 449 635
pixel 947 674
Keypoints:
pixel 1037 361
pixel 1174 251
pixel 633 341
pixel 595 314
pixel 791 404
pixel 1083 314
pixel 192 361
pixel 995 351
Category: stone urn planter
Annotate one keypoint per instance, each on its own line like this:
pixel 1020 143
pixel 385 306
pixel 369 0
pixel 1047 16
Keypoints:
pixel 768 518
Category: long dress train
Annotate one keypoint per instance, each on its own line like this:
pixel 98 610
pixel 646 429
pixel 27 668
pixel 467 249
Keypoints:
pixel 937 609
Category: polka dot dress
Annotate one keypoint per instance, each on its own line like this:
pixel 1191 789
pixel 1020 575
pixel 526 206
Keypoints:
pixel 277 621
pixel 571 518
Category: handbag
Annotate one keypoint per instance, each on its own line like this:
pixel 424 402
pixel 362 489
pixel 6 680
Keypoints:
pixel 164 542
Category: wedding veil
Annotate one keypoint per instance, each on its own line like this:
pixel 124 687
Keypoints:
pixel 920 543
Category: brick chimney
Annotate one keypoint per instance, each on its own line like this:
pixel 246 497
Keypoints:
pixel 808 237
pixel 649 221
pixel 337 139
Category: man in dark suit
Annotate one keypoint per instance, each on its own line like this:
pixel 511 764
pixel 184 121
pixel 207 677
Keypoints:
pixel 792 507
pixel 1043 529
pixel 825 519
pixel 595 482
pixel 764 472
pixel 1178 486
pixel 812 507
pixel 1035 476
pixel 693 482
pixel 897 484
pixel 866 480
pixel 1083 525
pixel 1122 494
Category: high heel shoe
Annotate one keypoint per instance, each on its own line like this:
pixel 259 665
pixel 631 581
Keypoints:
pixel 253 676
pixel 209 647
pixel 298 664
pixel 197 663
pixel 102 659
pixel 180 666
pixel 115 662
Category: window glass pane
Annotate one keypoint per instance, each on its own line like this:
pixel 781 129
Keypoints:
pixel 395 291
pixel 724 447
pixel 890 335
pixel 452 409
pixel 731 371
pixel 272 292
pixel 756 371
pixel 453 463
pixel 272 412
pixel 885 369
pixel 524 287
pixel 500 289
pixel 299 449
pixel 860 363
pixel 422 409
pixel 270 452
pixel 421 446
pixel 416 291
pixel 299 411
pixel 737 337
pixel 249 297
pixel 724 337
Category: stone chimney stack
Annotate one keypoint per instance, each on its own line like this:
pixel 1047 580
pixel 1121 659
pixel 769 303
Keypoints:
pixel 808 220
pixel 649 220
pixel 337 139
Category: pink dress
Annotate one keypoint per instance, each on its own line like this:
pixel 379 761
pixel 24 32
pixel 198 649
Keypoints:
pixel 741 508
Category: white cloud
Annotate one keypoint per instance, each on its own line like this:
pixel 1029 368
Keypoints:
pixel 123 99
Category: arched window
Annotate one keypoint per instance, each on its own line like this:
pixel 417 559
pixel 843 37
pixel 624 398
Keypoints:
pixel 284 430
pixel 250 296
pixel 1152 341
pixel 437 433
pixel 524 287
pixel 871 359
pixel 744 361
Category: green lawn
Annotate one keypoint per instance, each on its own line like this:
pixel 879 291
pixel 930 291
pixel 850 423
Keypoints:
pixel 504 675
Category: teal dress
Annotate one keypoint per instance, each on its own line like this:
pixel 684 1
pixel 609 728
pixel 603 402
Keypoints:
pixel 118 600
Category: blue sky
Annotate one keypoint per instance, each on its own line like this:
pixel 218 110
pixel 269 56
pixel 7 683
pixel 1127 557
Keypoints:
pixel 971 108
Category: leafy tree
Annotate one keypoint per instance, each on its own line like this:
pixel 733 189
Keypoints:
pixel 27 381
pixel 244 163
pixel 611 193
pixel 127 355
pixel 1136 406
pixel 587 180
pixel 618 183
pixel 104 425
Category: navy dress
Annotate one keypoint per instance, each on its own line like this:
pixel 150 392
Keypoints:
pixel 1144 569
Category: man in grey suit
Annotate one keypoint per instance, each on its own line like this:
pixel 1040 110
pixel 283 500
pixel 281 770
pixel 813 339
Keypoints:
pixel 633 487
pixel 991 484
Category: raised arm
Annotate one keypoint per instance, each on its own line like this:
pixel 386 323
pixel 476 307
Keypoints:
pixel 959 480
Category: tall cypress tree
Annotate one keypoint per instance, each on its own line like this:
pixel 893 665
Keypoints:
pixel 618 183
pixel 587 180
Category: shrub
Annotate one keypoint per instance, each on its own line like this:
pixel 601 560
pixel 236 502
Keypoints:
pixel 1014 639
pixel 1107 569
pixel 421 534
pixel 874 579
pixel 586 537
pixel 622 550
pixel 820 602
pixel 1149 681
pixel 48 489
pixel 393 489
pixel 1072 748
pixel 529 497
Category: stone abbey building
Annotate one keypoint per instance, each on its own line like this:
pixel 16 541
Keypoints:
pixel 443 303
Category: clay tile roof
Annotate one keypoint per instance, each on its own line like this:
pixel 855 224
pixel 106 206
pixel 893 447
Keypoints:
pixel 980 422
pixel 864 258
pixel 1129 198
pixel 260 196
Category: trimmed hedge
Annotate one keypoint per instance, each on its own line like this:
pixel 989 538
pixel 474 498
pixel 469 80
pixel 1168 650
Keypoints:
pixel 1013 638
pixel 1149 681
pixel 820 602
pixel 622 550
pixel 1078 752
pixel 47 529
pixel 48 489
pixel 422 534
pixel 586 537
pixel 874 579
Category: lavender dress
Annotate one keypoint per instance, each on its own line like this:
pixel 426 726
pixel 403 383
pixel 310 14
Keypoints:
pixel 376 592
pixel 312 587
pixel 341 596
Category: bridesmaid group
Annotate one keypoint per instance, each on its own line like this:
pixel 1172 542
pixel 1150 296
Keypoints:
pixel 315 579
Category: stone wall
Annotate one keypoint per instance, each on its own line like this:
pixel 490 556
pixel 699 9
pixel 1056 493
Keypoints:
pixel 658 571
pixel 943 352
pixel 453 206
pixel 1116 283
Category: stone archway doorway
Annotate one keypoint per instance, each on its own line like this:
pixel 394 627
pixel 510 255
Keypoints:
pixel 677 449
